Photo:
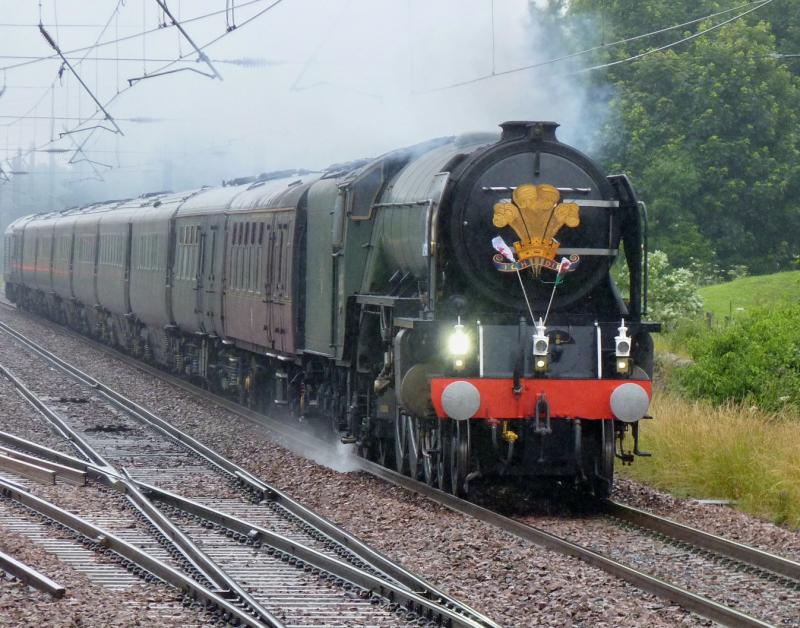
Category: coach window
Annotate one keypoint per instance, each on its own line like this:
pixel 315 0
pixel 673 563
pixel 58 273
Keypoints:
pixel 235 257
pixel 259 257
pixel 239 256
pixel 187 252
pixel 247 255
pixel 196 252
pixel 190 254
pixel 179 253
pixel 244 232
pixel 251 255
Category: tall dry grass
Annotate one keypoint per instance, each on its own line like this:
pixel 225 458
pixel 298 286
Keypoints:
pixel 732 452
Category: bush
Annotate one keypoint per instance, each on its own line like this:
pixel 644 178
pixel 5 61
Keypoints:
pixel 754 360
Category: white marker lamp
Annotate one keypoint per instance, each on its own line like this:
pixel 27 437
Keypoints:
pixel 541 347
pixel 623 350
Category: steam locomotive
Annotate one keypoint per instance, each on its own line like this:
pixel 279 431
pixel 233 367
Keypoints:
pixel 448 307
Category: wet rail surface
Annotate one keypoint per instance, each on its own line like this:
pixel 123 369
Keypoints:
pixel 739 561
pixel 294 568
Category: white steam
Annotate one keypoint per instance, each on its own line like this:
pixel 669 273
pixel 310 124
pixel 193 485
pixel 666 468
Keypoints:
pixel 342 80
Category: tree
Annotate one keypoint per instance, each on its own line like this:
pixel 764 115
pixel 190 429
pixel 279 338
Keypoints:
pixel 709 131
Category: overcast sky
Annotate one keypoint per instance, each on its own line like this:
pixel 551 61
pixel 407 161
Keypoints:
pixel 323 81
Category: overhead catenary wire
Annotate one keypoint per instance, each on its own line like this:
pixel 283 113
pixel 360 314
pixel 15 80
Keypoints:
pixel 143 33
pixel 674 43
pixel 603 46
pixel 209 43
pixel 73 118
pixel 200 54
pixel 55 47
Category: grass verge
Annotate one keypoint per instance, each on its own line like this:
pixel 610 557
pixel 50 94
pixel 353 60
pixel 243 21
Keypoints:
pixel 725 452
pixel 738 297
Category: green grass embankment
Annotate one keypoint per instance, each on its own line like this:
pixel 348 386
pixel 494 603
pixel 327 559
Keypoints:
pixel 740 296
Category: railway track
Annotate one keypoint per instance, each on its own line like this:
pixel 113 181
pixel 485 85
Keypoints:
pixel 736 558
pixel 78 542
pixel 298 568
pixel 741 560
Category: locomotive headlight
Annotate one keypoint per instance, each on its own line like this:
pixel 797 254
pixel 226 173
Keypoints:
pixel 458 343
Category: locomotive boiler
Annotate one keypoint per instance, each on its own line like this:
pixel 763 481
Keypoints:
pixel 448 307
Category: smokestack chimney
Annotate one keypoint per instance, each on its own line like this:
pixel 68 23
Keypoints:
pixel 527 130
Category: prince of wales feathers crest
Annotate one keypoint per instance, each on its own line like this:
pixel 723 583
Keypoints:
pixel 536 215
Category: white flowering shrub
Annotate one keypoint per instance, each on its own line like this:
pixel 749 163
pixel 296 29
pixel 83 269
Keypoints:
pixel 672 291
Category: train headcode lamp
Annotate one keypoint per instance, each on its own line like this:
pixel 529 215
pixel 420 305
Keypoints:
pixel 541 345
pixel 623 350
pixel 458 345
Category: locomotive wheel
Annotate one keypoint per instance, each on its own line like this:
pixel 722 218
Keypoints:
pixel 599 458
pixel 442 466
pixel 381 451
pixel 415 451
pixel 603 476
pixel 459 458
pixel 432 460
pixel 400 443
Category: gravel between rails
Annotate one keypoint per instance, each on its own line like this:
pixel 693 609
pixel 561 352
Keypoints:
pixel 516 583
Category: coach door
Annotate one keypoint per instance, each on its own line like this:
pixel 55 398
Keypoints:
pixel 208 293
pixel 280 320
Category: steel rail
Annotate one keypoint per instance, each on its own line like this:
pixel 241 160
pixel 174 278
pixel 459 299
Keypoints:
pixel 695 537
pixel 201 563
pixel 30 576
pixel 369 555
pixel 27 469
pixel 699 604
pixel 698 538
pixel 106 539
pixel 63 472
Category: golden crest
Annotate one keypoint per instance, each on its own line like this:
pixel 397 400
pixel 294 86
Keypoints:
pixel 536 215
